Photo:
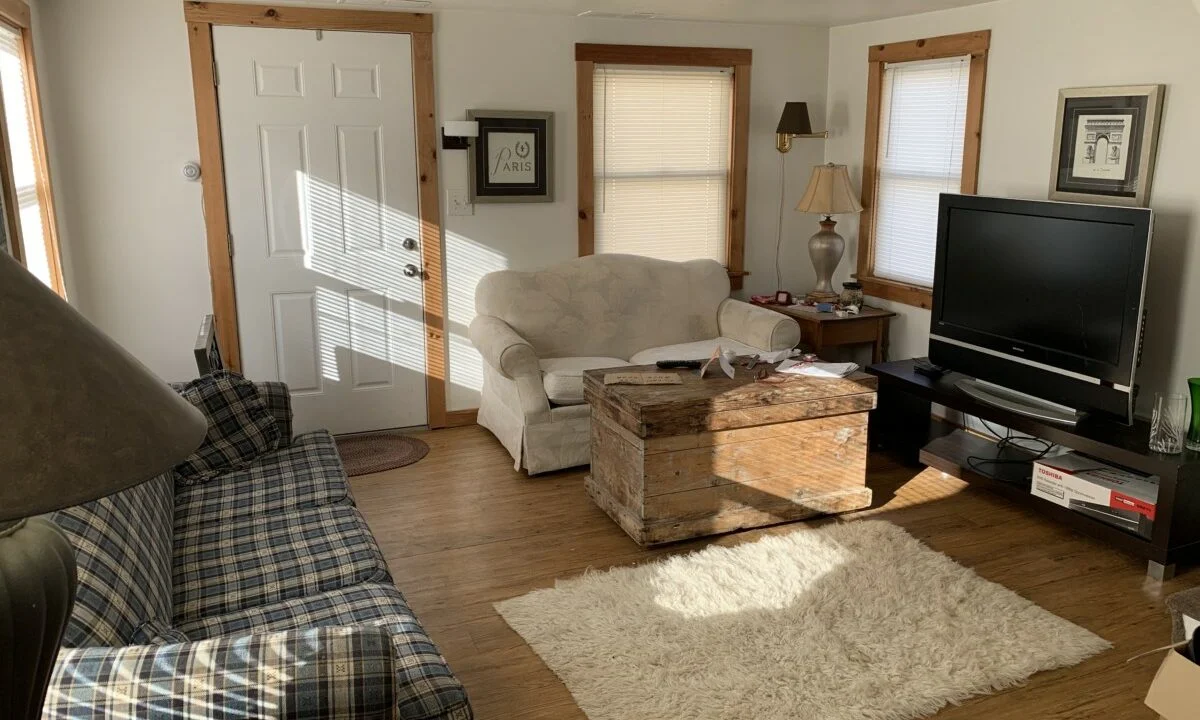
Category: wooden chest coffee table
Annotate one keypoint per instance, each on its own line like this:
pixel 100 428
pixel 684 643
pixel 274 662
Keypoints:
pixel 671 462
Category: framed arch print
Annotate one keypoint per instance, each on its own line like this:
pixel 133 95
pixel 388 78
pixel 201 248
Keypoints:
pixel 1105 140
pixel 512 158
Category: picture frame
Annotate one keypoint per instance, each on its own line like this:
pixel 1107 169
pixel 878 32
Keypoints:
pixel 783 297
pixel 512 159
pixel 1105 142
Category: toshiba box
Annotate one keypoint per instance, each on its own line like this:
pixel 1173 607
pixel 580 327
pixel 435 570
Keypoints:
pixel 1112 495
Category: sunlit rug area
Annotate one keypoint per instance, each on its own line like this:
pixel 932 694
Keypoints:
pixel 855 620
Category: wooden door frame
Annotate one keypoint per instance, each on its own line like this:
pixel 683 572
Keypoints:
pixel 200 18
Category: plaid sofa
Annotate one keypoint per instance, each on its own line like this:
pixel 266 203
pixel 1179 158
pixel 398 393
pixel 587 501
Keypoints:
pixel 260 593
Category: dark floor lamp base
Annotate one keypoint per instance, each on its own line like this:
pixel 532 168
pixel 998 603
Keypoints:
pixel 37 591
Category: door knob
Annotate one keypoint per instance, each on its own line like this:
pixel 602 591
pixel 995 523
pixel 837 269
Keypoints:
pixel 411 270
pixel 409 244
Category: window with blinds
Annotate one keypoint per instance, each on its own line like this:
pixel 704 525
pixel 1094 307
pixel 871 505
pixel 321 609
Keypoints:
pixel 662 160
pixel 17 125
pixel 922 121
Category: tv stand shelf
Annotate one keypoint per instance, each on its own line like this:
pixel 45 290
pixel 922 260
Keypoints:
pixel 903 424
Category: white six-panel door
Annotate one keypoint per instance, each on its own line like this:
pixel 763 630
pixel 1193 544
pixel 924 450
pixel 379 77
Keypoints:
pixel 321 177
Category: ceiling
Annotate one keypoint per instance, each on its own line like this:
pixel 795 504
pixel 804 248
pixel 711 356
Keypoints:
pixel 801 12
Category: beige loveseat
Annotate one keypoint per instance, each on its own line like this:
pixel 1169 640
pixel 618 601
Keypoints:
pixel 538 331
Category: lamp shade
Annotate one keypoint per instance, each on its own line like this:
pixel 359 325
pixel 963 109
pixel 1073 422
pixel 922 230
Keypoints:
pixel 80 418
pixel 829 192
pixel 794 120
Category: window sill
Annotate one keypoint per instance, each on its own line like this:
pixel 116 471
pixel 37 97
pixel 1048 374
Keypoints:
pixel 914 295
pixel 735 278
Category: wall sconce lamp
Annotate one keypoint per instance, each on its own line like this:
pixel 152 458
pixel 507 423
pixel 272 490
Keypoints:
pixel 457 134
pixel 793 123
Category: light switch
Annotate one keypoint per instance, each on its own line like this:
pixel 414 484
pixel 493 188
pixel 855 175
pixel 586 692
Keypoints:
pixel 458 202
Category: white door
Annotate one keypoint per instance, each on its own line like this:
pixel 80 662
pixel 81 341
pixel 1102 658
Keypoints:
pixel 321 177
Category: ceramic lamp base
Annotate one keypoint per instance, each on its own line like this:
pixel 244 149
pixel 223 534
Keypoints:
pixel 37 592
pixel 821 297
pixel 825 250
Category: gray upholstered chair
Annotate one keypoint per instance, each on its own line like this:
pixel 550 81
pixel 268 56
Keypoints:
pixel 538 331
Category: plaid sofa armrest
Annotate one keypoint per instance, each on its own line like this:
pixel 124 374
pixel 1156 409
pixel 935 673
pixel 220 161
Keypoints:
pixel 279 402
pixel 338 673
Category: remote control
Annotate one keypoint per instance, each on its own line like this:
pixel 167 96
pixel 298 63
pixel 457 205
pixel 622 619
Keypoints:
pixel 679 364
pixel 922 366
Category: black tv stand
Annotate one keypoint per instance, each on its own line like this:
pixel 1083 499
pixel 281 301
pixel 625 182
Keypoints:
pixel 903 425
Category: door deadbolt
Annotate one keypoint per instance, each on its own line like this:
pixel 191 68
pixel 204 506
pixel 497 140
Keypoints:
pixel 409 244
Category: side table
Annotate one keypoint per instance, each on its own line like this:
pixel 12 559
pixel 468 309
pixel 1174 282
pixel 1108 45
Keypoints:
pixel 825 330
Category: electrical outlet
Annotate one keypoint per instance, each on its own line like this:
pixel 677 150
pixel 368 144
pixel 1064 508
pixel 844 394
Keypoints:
pixel 458 202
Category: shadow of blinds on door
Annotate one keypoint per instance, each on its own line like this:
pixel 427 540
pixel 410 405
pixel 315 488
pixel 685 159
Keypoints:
pixel 662 147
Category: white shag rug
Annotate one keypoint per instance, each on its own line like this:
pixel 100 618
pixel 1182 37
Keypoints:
pixel 854 621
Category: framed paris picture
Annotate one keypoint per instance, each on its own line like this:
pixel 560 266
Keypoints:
pixel 512 158
pixel 1104 144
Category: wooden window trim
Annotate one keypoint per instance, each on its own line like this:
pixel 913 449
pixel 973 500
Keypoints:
pixel 739 61
pixel 16 14
pixel 976 44
pixel 200 18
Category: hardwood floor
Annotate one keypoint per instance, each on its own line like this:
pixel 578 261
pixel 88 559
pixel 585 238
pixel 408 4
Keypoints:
pixel 462 530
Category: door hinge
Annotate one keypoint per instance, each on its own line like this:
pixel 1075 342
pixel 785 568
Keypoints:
pixel 229 243
pixel 216 73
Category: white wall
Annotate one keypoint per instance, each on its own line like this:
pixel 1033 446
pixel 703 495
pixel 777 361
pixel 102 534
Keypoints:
pixel 121 121
pixel 486 61
pixel 116 83
pixel 1037 48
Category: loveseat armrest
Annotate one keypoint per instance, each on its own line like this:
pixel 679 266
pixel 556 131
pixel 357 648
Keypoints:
pixel 279 403
pixel 502 348
pixel 337 673
pixel 757 326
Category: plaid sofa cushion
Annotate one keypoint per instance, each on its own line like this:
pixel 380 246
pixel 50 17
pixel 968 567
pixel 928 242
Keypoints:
pixel 157 632
pixel 426 689
pixel 240 426
pixel 123 556
pixel 278 399
pixel 314 674
pixel 306 474
pixel 224 567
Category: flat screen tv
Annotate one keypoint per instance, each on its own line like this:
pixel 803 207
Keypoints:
pixel 1042 298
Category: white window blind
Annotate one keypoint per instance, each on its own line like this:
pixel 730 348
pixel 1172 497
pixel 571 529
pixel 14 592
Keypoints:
pixel 662 156
pixel 921 126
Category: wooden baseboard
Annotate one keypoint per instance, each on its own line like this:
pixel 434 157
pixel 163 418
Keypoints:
pixel 459 418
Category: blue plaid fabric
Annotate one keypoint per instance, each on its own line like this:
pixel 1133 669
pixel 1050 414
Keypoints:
pixel 306 474
pixel 123 556
pixel 426 689
pixel 226 567
pixel 157 632
pixel 240 426
pixel 278 399
pixel 316 674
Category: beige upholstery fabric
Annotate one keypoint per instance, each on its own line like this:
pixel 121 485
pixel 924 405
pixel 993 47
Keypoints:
pixel 757 326
pixel 699 350
pixel 608 307
pixel 563 377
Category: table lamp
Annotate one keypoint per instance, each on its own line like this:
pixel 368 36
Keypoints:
pixel 80 419
pixel 829 193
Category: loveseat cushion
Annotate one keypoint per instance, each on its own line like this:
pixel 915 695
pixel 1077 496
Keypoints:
pixel 240 426
pixel 563 377
pixel 306 474
pixel 426 688
pixel 700 350
pixel 123 562
pixel 229 566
